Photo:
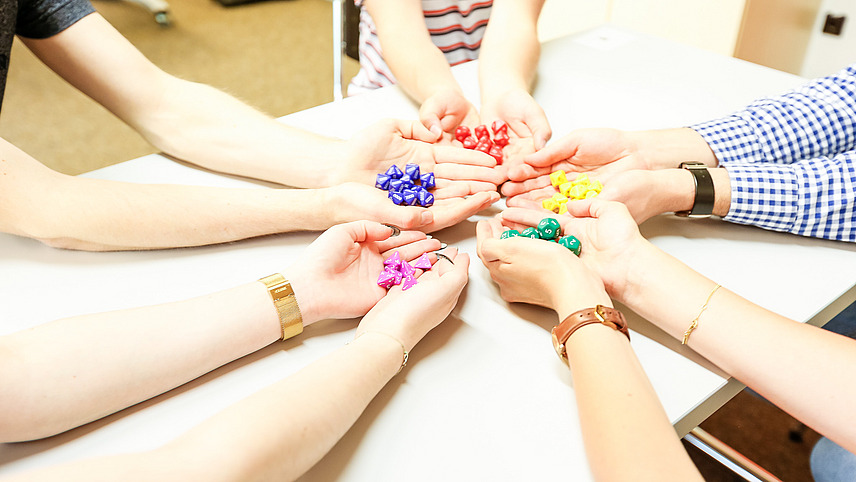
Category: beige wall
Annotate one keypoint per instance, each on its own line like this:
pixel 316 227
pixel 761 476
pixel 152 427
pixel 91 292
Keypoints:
pixel 776 32
pixel 708 24
pixel 563 17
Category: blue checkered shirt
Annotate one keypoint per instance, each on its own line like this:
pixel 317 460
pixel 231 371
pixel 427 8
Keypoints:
pixel 792 159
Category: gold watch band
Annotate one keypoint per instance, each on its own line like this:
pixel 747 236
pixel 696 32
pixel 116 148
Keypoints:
pixel 286 305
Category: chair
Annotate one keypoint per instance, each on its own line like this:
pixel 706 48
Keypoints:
pixel 346 39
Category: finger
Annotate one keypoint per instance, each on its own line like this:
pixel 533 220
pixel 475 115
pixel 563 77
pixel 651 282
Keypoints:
pixel 406 217
pixel 523 217
pixel 513 188
pixel 465 172
pixel 459 155
pixel 523 202
pixel 561 150
pixel 406 237
pixel 365 231
pixel 446 262
pixel 431 122
pixel 454 189
pixel 455 211
pixel 409 252
pixel 522 172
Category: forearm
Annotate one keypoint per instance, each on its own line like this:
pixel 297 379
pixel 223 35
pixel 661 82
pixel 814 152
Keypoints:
pixel 275 434
pixel 808 198
pixel 105 362
pixel 627 433
pixel 816 119
pixel 418 65
pixel 667 148
pixel 789 363
pixel 204 126
pixel 99 215
pixel 510 50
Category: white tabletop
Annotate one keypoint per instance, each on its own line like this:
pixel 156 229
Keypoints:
pixel 484 396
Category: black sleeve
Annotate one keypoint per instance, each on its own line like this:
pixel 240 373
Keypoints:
pixel 46 18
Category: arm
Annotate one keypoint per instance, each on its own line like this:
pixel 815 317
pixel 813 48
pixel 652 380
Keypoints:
pixel 785 361
pixel 91 214
pixel 133 355
pixel 204 126
pixel 817 119
pixel 622 416
pixel 508 60
pixel 321 402
pixel 419 66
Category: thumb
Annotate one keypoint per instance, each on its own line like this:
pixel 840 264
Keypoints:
pixel 407 217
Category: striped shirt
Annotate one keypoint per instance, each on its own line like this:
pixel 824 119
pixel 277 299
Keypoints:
pixel 792 159
pixel 456 28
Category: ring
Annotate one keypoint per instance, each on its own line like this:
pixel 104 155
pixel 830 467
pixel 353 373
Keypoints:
pixel 395 229
pixel 443 256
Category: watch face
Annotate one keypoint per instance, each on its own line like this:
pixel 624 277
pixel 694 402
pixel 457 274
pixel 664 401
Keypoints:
pixel 560 347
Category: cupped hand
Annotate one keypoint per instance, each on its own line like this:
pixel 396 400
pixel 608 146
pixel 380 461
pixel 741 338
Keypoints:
pixel 538 272
pixel 353 201
pixel 610 238
pixel 525 118
pixel 336 276
pixel 445 110
pixel 397 142
pixel 643 192
pixel 601 152
pixel 409 315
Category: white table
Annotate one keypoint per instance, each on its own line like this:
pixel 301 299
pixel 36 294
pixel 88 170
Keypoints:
pixel 484 397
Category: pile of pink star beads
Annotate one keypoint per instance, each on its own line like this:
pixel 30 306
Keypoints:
pixel 396 271
pixel 580 188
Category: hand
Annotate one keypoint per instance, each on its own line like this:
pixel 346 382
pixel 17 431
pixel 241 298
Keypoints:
pixel 445 110
pixel 518 265
pixel 409 315
pixel 525 118
pixel 400 142
pixel 336 276
pixel 353 202
pixel 645 193
pixel 600 152
pixel 611 242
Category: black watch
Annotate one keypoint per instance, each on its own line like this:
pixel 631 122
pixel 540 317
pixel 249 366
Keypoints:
pixel 704 194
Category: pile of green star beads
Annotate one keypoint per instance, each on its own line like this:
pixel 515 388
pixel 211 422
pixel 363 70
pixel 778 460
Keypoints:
pixel 548 229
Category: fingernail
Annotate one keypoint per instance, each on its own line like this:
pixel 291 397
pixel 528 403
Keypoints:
pixel 395 229
pixel 443 245
pixel 427 217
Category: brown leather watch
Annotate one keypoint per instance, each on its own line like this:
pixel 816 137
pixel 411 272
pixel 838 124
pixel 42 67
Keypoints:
pixel 599 314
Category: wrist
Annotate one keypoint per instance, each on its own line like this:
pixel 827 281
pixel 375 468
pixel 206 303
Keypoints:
pixel 675 189
pixel 667 148
pixel 305 294
pixel 642 262
pixel 587 291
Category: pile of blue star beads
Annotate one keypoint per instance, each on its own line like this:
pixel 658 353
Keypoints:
pixel 407 188
pixel 550 230
pixel 397 271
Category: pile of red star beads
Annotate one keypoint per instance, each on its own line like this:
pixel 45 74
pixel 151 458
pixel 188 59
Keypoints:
pixel 396 271
pixel 480 139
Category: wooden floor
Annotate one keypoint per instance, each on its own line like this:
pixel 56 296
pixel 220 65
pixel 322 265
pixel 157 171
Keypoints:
pixel 275 55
